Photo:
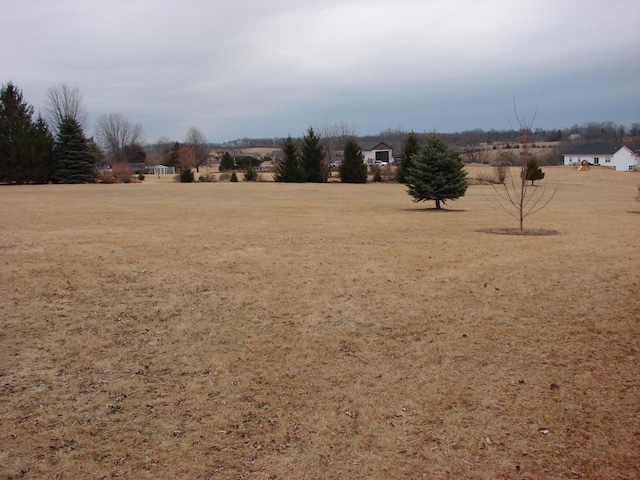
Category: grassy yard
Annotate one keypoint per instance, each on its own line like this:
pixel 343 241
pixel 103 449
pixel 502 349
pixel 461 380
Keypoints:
pixel 276 331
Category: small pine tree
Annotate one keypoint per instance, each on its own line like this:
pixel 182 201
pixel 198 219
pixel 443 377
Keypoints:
pixel 290 168
pixel 186 175
pixel 353 169
pixel 250 174
pixel 313 158
pixel 437 173
pixel 534 172
pixel 410 147
pixel 226 162
pixel 233 177
pixel 73 159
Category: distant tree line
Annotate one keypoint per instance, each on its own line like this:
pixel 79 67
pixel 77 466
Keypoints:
pixel 37 149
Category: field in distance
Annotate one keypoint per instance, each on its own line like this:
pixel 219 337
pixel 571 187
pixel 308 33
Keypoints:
pixel 262 330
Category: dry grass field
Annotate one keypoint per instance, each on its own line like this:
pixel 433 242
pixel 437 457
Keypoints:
pixel 303 331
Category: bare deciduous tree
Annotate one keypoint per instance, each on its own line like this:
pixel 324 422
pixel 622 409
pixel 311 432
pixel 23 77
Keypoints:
pixel 116 132
pixel 515 196
pixel 186 156
pixel 475 153
pixel 200 145
pixel 333 136
pixel 63 102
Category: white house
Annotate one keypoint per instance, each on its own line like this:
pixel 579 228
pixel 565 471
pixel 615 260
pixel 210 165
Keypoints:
pixel 615 157
pixel 380 153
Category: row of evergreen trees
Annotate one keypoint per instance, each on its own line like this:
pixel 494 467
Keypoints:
pixel 307 163
pixel 431 171
pixel 30 154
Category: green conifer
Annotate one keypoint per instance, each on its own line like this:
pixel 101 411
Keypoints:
pixel 436 173
pixel 73 159
pixel 290 168
pixel 353 169
pixel 312 157
pixel 410 147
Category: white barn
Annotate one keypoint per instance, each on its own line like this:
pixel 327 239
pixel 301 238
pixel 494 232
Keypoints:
pixel 615 157
pixel 380 153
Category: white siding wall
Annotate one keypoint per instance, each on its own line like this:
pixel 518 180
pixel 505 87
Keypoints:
pixel 370 156
pixel 625 158
pixel 620 161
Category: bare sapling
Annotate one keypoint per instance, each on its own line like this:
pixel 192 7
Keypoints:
pixel 515 196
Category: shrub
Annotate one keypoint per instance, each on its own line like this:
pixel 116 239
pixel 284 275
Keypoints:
pixel 389 174
pixel 123 172
pixel 485 178
pixel 185 175
pixel 377 177
pixel 140 177
pixel 233 177
pixel 373 169
pixel 209 177
pixel 501 171
pixel 105 176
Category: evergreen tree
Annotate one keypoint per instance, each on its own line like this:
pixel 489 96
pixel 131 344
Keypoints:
pixel 437 173
pixel 534 172
pixel 42 160
pixel 134 153
pixel 186 175
pixel 226 162
pixel 353 168
pixel 410 147
pixel 25 145
pixel 73 158
pixel 313 158
pixel 290 168
pixel 250 174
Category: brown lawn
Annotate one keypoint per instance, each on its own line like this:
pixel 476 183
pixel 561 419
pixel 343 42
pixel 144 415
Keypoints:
pixel 278 331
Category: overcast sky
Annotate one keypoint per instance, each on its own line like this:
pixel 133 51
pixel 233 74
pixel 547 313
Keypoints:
pixel 269 68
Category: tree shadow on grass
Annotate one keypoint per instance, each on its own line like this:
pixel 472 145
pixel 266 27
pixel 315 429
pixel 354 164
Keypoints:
pixel 434 209
pixel 531 232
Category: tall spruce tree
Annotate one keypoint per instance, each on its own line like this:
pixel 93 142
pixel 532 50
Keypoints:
pixel 437 173
pixel 73 159
pixel 410 147
pixel 312 157
pixel 25 145
pixel 290 168
pixel 353 169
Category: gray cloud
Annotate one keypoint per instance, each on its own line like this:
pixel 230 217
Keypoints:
pixel 262 69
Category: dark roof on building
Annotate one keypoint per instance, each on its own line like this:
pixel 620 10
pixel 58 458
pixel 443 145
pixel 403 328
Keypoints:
pixel 138 167
pixel 592 148
pixel 375 145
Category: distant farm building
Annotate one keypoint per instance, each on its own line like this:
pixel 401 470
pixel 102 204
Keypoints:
pixel 614 157
pixel 161 170
pixel 377 154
